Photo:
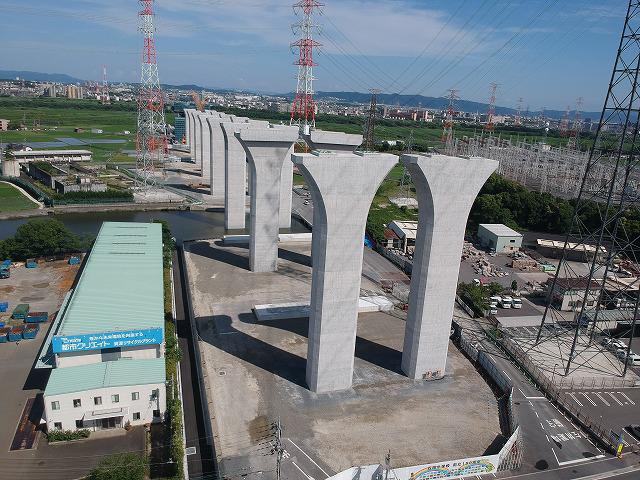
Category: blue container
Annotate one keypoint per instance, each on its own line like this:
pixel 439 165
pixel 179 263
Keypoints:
pixel 2 324
pixel 30 331
pixel 74 261
pixel 3 334
pixel 16 333
pixel 31 264
pixel 4 306
pixel 6 263
pixel 36 317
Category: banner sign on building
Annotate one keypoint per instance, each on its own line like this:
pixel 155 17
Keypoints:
pixel 98 341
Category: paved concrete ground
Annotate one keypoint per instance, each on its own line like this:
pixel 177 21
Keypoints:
pixel 256 373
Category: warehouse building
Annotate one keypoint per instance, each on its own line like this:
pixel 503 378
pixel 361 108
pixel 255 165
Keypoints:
pixel 499 238
pixel 106 346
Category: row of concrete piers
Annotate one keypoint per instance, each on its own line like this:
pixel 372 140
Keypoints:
pixel 342 183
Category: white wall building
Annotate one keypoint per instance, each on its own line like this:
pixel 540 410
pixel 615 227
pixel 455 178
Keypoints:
pixel 106 346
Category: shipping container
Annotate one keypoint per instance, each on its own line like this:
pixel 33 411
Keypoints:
pixel 16 333
pixel 6 263
pixel 74 261
pixel 37 317
pixel 30 331
pixel 21 311
pixel 4 306
pixel 4 332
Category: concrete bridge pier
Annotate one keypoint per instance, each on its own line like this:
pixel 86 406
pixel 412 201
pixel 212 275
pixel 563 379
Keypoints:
pixel 446 188
pixel 267 149
pixel 235 191
pixel 342 186
pixel 320 140
pixel 217 167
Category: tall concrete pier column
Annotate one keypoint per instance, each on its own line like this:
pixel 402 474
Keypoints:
pixel 203 155
pixel 191 128
pixel 446 188
pixel 267 149
pixel 217 166
pixel 342 187
pixel 286 191
pixel 235 192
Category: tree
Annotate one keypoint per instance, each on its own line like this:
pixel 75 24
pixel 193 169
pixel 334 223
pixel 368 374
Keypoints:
pixel 41 237
pixel 121 466
pixel 514 286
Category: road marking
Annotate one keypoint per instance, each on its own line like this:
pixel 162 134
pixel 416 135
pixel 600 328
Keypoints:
pixel 506 374
pixel 535 398
pixel 578 460
pixel 305 454
pixel 554 454
pixel 538 416
pixel 618 401
pixel 302 471
pixel 542 425
pixel 575 399
pixel 625 396
pixel 602 398
pixel 547 438
pixel 587 397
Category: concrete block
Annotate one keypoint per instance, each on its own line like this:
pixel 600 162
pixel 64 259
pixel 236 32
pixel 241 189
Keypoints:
pixel 342 186
pixel 446 188
pixel 332 141
pixel 267 149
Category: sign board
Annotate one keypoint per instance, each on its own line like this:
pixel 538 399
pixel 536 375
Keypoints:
pixel 99 341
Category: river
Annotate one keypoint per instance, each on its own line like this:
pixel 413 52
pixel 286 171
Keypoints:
pixel 184 225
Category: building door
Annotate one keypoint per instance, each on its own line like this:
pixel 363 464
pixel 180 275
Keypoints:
pixel 113 422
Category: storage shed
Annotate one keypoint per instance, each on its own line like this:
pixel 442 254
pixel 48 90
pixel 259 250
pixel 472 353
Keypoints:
pixel 499 238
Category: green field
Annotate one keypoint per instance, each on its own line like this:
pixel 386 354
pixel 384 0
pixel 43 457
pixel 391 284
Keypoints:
pixel 48 119
pixel 12 200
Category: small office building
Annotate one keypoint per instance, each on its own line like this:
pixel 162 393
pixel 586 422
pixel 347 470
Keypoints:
pixel 499 238
pixel 106 347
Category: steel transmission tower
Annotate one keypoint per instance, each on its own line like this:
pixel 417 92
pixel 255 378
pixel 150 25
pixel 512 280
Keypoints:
pixel 601 219
pixel 303 110
pixel 370 122
pixel 519 113
pixel 105 98
pixel 576 129
pixel 152 128
pixel 447 133
pixel 491 112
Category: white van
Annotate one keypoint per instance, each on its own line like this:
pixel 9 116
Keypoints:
pixel 516 303
pixel 506 302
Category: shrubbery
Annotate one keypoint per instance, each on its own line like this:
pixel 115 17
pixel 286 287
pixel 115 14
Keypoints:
pixel 67 435
pixel 121 466
pixel 477 296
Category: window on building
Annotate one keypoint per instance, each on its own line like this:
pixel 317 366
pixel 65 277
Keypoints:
pixel 79 424
pixel 135 395
pixel 77 403
pixel 136 415
pixel 55 405
pixel 115 398
pixel 512 241
pixel 156 413
pixel 154 394
pixel 97 400
pixel 57 425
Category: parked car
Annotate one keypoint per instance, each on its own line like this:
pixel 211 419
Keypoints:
pixel 615 345
pixel 632 359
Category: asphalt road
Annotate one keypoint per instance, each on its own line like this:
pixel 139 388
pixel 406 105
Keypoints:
pixel 201 464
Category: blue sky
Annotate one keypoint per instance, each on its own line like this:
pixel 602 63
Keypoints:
pixel 549 52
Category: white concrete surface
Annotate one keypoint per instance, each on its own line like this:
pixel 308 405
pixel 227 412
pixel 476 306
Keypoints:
pixel 267 149
pixel 446 188
pixel 342 186
pixel 282 237
pixel 285 311
pixel 332 141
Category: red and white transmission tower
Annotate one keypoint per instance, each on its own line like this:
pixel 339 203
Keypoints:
pixel 564 123
pixel 303 110
pixel 576 129
pixel 152 128
pixel 104 97
pixel 447 133
pixel 491 112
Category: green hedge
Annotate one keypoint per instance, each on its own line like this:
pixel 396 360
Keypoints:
pixel 67 435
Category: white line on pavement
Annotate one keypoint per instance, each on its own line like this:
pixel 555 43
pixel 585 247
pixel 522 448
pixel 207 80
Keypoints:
pixel 538 416
pixel 602 398
pixel 547 438
pixel 575 399
pixel 612 396
pixel 506 374
pixel 578 460
pixel 305 454
pixel 587 397
pixel 625 396
pixel 554 454
pixel 301 471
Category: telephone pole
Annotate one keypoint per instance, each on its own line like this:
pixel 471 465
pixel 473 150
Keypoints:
pixel 370 123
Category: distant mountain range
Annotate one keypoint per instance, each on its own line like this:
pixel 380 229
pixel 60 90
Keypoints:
pixel 345 97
